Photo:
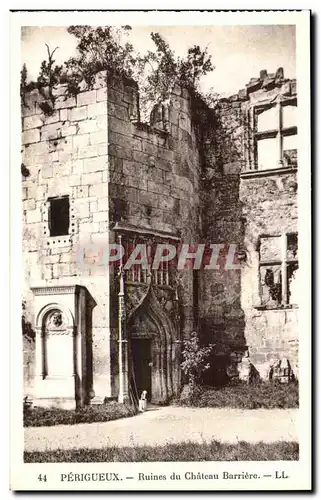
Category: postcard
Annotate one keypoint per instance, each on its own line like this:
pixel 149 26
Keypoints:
pixel 161 241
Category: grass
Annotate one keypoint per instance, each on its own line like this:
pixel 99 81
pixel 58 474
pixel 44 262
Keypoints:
pixel 248 396
pixel 38 417
pixel 183 452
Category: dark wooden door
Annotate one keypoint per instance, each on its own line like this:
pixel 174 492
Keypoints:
pixel 141 360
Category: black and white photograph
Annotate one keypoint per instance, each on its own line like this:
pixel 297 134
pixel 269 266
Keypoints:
pixel 162 175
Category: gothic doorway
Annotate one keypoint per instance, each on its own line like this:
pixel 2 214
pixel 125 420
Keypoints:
pixel 141 350
pixel 154 358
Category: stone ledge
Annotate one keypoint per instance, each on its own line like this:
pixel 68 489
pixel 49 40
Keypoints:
pixel 250 174
pixel 55 290
pixel 128 228
pixel 276 308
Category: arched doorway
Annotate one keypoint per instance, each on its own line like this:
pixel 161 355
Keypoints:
pixel 154 350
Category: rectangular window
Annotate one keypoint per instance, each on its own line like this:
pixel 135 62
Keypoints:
pixel 275 134
pixel 59 216
pixel 278 270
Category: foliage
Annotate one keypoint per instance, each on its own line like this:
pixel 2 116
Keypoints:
pixel 160 71
pixel 195 360
pixel 38 417
pixel 23 84
pixel 98 49
pixel 248 396
pixel 48 79
pixel 25 172
pixel 182 452
pixel 105 48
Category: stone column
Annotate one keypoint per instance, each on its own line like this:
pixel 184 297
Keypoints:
pixel 39 359
pixel 79 396
pixel 123 395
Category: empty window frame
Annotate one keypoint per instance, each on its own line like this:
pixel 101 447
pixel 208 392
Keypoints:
pixel 275 134
pixel 278 270
pixel 59 218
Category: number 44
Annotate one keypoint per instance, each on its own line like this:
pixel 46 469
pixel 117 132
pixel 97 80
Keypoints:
pixel 42 477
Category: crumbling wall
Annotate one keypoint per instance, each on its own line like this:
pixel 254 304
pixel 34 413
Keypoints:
pixel 269 206
pixel 240 205
pixel 221 317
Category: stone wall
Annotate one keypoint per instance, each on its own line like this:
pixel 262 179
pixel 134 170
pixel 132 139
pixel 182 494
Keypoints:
pixel 154 179
pixel 65 153
pixel 221 316
pixel 270 206
pixel 238 207
pixel 94 149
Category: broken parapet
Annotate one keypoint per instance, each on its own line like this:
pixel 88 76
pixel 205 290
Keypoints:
pixel 265 81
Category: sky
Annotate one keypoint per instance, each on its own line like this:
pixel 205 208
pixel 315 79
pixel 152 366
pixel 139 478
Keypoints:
pixel 238 52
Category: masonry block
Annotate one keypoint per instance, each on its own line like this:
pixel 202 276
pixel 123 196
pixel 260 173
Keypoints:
pixel 46 172
pixel 92 151
pixel 95 164
pixel 41 192
pixel 33 121
pixel 87 126
pixel 158 188
pixel 67 130
pixel 74 180
pixel 82 210
pixel 48 119
pixel 30 136
pixel 99 108
pixel 88 97
pixel 63 115
pixel 100 216
pixel 51 131
pixel 77 114
pixel 62 102
pixel 99 138
pixel 103 204
pixel 81 140
pixel 36 149
pixel 80 191
pixel 101 122
pixel 100 190
pixel 91 178
pixel 33 216
pixel 101 95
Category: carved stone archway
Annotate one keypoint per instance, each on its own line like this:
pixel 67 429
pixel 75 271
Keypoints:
pixel 154 320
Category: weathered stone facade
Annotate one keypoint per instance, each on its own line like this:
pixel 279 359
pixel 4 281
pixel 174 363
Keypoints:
pixel 177 180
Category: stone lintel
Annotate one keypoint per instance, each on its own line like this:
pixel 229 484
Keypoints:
pixel 56 290
pixel 266 173
pixel 128 228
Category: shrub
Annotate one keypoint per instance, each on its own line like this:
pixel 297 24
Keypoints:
pixel 248 396
pixel 182 452
pixel 37 417
pixel 195 361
